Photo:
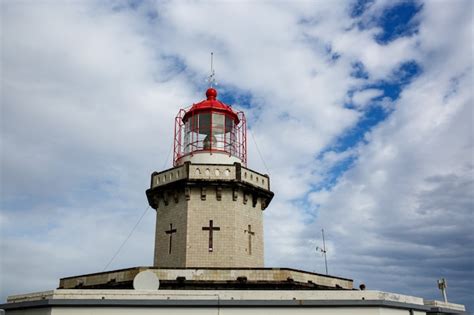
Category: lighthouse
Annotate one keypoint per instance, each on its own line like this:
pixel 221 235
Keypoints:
pixel 209 205
pixel 208 252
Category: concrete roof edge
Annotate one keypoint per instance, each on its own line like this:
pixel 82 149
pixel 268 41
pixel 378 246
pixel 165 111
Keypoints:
pixel 213 302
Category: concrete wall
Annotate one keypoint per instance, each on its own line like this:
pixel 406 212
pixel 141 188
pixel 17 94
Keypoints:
pixel 221 172
pixel 214 311
pixel 32 311
pixel 169 176
pixel 206 157
pixel 223 302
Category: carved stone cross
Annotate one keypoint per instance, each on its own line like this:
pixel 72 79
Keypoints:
pixel 170 233
pixel 211 228
pixel 250 233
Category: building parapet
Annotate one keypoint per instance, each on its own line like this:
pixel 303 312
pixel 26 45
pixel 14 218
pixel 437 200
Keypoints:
pixel 275 277
pixel 219 172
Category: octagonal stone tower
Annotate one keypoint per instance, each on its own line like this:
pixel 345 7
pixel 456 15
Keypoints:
pixel 209 205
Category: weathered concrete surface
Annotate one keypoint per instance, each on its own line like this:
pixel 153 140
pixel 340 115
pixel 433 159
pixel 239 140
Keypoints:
pixel 264 295
pixel 185 310
pixel 445 305
pixel 227 302
pixel 207 274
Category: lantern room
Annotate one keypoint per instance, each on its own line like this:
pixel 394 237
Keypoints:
pixel 210 132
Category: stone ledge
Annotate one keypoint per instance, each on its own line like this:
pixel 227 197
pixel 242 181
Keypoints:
pixel 209 278
pixel 444 305
pixel 182 186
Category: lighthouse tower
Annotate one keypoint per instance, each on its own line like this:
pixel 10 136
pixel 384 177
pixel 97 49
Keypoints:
pixel 209 205
pixel 209 243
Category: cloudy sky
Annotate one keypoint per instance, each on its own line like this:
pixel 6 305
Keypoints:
pixel 362 112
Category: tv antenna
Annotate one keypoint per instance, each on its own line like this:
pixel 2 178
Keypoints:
pixel 442 285
pixel 212 77
pixel 323 251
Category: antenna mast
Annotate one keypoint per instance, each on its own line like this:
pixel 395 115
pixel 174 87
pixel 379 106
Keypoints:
pixel 442 285
pixel 323 251
pixel 211 79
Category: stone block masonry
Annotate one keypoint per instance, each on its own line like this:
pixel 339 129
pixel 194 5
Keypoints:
pixel 209 216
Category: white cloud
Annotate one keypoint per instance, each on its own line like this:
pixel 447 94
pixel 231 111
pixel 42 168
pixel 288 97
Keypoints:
pixel 411 187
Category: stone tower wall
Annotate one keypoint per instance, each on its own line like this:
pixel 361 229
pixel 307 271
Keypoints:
pixel 231 212
pixel 231 242
pixel 175 213
pixel 188 197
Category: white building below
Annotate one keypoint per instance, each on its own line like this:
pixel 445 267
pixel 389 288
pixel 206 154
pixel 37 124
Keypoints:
pixel 223 302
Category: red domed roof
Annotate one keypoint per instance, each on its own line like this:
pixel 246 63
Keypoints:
pixel 211 104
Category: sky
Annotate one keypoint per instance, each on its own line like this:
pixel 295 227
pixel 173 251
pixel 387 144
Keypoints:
pixel 361 112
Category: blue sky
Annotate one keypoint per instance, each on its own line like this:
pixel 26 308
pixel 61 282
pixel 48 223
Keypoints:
pixel 362 111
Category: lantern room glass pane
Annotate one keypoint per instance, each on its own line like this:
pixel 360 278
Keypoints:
pixel 218 123
pixel 229 124
pixel 211 131
pixel 191 134
pixel 187 132
pixel 204 123
pixel 218 130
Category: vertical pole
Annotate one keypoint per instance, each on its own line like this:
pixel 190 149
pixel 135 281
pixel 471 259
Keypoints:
pixel 442 285
pixel 324 251
pixel 212 61
pixel 211 78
